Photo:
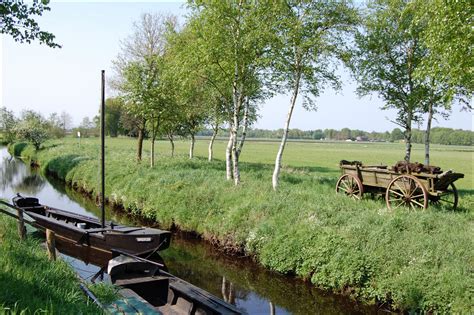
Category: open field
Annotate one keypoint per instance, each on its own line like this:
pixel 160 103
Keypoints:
pixel 324 157
pixel 412 260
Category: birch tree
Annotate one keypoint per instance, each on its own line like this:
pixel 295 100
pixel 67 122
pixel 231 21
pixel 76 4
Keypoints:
pixel 190 59
pixel 446 32
pixel 233 36
pixel 309 36
pixel 388 52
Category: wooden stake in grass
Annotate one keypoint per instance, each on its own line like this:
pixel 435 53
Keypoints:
pixel 51 244
pixel 21 225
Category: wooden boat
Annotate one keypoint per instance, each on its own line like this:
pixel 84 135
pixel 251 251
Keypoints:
pixel 166 293
pixel 88 231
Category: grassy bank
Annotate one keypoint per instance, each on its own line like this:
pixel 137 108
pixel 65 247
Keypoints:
pixel 30 283
pixel 414 260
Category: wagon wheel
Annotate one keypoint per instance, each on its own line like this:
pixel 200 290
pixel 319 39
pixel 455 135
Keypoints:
pixel 406 190
pixel 447 199
pixel 350 185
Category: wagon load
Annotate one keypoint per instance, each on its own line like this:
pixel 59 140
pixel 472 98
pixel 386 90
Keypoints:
pixel 407 167
pixel 404 184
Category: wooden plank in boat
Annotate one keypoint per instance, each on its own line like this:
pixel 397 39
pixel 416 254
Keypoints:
pixel 137 302
pixel 203 297
pixel 126 229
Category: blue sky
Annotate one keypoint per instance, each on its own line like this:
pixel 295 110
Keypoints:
pixel 68 79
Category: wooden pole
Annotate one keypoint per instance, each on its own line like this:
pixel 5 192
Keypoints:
pixel 21 225
pixel 51 244
pixel 102 150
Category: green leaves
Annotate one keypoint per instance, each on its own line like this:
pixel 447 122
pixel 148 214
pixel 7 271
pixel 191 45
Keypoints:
pixel 308 38
pixel 16 20
pixel 32 128
pixel 447 32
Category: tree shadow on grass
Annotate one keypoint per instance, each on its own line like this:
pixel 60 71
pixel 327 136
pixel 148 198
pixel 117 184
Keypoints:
pixel 466 206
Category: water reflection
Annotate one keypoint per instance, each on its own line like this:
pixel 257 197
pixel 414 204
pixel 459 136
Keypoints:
pixel 250 287
pixel 15 176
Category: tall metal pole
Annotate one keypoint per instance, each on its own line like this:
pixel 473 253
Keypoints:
pixel 102 150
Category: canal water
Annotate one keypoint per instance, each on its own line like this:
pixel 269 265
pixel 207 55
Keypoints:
pixel 237 280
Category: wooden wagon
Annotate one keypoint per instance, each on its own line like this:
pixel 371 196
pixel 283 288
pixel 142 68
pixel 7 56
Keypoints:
pixel 410 189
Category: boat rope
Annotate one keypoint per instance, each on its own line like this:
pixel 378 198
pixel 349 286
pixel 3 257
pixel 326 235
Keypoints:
pixel 156 249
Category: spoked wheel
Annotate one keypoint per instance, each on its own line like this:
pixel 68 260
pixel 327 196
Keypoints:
pixel 448 199
pixel 408 191
pixel 351 186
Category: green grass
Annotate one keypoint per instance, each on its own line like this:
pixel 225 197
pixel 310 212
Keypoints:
pixel 30 283
pixel 413 260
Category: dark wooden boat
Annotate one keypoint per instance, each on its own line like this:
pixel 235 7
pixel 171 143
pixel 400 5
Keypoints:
pixel 166 293
pixel 88 231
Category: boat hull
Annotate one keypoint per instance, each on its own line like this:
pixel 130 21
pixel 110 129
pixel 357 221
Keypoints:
pixel 87 231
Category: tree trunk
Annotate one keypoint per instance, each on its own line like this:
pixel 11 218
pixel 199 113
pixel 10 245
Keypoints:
pixel 276 171
pixel 224 289
pixel 141 135
pixel 152 153
pixel 152 149
pixel 228 158
pixel 407 135
pixel 427 134
pixel 238 98
pixel 211 143
pixel 191 146
pixel 244 127
pixel 170 138
pixel 235 158
pixel 231 294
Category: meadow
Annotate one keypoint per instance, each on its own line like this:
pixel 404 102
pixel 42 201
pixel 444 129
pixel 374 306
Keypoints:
pixel 31 284
pixel 411 260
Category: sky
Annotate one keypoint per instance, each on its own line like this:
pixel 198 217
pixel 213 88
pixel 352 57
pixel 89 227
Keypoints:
pixel 34 76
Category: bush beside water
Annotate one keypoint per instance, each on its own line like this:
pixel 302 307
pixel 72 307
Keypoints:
pixel 412 260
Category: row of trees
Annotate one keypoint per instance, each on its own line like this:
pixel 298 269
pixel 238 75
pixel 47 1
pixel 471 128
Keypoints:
pixel 439 135
pixel 232 55
pixel 32 126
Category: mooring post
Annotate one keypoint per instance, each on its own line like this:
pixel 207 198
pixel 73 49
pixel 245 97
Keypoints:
pixel 21 225
pixel 51 244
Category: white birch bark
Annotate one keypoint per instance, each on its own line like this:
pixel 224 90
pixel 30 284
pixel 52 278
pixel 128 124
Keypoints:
pixel 276 171
pixel 228 158
pixel 234 130
pixel 152 145
pixel 244 127
pixel 407 135
pixel 152 153
pixel 191 146
pixel 427 134
pixel 211 143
